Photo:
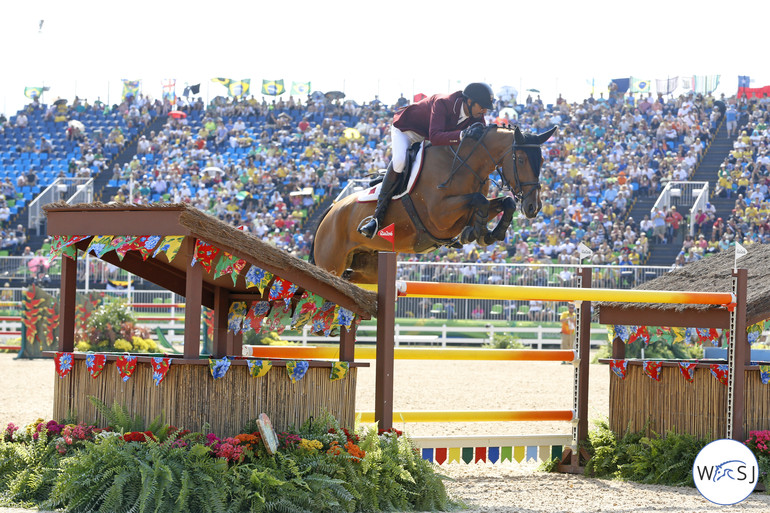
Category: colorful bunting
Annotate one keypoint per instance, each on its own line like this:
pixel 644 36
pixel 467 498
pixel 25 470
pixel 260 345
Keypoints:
pixel 280 317
pixel 146 245
pixel 235 316
pixel 678 334
pixel 282 289
pixel 720 371
pixel 256 314
pixel 343 318
pixel 63 363
pixel 297 369
pixel 95 364
pixel 764 374
pixel 258 368
pixel 339 370
pixel 639 332
pixel 652 369
pixel 256 277
pixel 754 331
pixel 619 367
pixel 622 333
pixel 123 244
pixel 688 370
pixel 305 310
pixel 205 254
pixel 219 367
pixel 160 368
pixel 60 242
pixel 100 244
pixel 126 366
pixel 169 246
pixel 323 318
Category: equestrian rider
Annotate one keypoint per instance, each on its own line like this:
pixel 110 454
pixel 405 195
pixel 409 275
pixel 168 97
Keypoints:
pixel 443 119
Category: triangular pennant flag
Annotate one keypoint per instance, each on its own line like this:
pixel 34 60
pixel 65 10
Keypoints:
pixel 62 242
pixel 764 374
pixel 678 334
pixel 720 371
pixel 205 253
pixel 100 244
pixel 126 366
pixel 160 368
pixel 258 368
pixel 219 367
pixel 282 289
pixel 63 362
pixel 169 246
pixel 280 317
pixel 339 370
pixel 296 369
pixel 225 264
pixel 146 245
pixel 622 333
pixel 305 310
pixel 688 370
pixel 754 331
pixel 256 277
pixel 235 316
pixel 652 369
pixel 323 318
pixel 343 318
pixel 619 367
pixel 255 315
pixel 95 364
pixel 121 244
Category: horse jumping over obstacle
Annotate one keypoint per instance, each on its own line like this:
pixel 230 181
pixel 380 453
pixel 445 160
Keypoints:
pixel 447 205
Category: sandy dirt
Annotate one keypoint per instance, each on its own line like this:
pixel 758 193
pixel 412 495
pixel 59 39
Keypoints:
pixel 27 394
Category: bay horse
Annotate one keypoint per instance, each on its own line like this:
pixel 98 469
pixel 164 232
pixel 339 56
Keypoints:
pixel 448 204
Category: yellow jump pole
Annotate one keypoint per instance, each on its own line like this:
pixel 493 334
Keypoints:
pixel 367 417
pixel 416 353
pixel 511 293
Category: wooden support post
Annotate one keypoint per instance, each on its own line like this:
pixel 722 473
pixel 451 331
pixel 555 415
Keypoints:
pixel 738 357
pixel 193 298
pixel 222 338
pixel 386 313
pixel 68 304
pixel 348 343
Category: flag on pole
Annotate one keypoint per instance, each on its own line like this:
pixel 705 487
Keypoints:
pixel 388 233
pixel 239 88
pixel 584 251
pixel 169 90
pixel 666 85
pixel 639 85
pixel 130 87
pixel 273 87
pixel 34 92
pixel 740 252
pixel 300 88
pixel 193 89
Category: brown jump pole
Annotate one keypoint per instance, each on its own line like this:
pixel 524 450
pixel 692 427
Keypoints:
pixel 386 326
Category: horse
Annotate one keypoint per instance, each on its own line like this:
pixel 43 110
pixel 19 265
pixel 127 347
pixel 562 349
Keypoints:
pixel 448 204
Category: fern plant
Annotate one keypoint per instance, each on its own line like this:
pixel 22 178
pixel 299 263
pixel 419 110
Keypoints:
pixel 27 471
pixel 120 420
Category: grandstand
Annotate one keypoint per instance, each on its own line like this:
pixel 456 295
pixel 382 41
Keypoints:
pixel 274 166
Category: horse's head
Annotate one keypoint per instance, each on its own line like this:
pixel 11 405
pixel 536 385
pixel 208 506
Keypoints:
pixel 521 171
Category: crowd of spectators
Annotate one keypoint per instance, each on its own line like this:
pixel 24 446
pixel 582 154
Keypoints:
pixel 267 165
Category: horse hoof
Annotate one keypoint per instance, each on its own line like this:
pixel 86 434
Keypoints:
pixel 467 235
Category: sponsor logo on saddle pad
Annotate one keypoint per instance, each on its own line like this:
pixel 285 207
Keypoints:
pixel 725 472
pixel 372 193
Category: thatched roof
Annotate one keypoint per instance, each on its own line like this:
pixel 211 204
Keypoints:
pixel 714 274
pixel 240 243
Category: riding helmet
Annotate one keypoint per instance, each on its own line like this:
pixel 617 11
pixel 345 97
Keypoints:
pixel 480 93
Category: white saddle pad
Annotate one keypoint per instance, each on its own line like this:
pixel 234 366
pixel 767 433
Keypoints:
pixel 371 194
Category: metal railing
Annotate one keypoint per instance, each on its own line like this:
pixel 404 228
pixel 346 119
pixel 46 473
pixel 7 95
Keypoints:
pixel 693 195
pixel 71 190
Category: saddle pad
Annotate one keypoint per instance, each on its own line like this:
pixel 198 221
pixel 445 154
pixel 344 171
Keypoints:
pixel 371 194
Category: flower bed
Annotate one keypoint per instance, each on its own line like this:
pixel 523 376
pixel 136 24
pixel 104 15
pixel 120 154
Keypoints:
pixel 318 467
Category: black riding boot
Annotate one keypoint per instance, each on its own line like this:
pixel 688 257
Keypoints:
pixel 389 185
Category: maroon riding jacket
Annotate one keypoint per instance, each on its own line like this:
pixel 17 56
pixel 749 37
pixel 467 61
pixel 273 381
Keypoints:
pixel 435 118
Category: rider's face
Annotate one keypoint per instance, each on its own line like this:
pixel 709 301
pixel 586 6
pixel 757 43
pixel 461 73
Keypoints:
pixel 477 110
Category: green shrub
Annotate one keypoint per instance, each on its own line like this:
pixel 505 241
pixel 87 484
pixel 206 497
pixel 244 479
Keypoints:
pixel 503 341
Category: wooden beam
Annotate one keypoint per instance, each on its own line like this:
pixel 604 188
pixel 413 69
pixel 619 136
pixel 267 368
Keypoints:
pixel 690 318
pixel 115 222
pixel 193 296
pixel 221 308
pixel 67 304
pixel 386 318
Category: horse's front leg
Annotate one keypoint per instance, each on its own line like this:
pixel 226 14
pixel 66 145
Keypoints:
pixel 507 206
pixel 477 226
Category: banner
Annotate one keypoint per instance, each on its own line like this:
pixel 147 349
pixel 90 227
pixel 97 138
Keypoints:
pixel 666 85
pixel 130 88
pixel 299 88
pixel 639 85
pixel 34 92
pixel 273 87
pixel 169 90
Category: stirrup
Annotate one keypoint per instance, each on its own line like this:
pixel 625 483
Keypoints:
pixel 366 221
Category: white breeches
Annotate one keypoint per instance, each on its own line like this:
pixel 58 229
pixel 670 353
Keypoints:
pixel 399 144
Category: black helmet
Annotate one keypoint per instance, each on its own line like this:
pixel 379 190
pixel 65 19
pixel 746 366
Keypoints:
pixel 480 93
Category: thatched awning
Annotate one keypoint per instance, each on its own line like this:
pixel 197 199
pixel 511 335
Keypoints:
pixel 180 219
pixel 713 274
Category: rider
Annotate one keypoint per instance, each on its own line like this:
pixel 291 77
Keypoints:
pixel 443 120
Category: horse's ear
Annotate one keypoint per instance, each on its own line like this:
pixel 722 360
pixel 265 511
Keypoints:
pixel 518 137
pixel 541 138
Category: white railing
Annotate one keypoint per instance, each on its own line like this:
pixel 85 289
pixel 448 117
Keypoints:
pixel 443 336
pixel 71 190
pixel 693 195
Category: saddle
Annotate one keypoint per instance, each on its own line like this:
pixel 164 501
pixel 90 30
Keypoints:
pixel 414 158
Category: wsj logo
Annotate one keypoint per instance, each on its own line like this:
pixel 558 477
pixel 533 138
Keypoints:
pixel 725 472
pixel 733 469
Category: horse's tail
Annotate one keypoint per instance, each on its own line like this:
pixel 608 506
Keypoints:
pixel 312 243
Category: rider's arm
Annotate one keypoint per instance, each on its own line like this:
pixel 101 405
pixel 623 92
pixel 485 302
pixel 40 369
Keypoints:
pixel 443 122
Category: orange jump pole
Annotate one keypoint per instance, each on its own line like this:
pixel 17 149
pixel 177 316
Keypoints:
pixel 511 293
pixel 367 417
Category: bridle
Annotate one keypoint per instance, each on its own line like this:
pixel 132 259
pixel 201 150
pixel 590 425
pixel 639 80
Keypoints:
pixel 459 162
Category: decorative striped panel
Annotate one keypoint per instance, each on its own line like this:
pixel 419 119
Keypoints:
pixel 475 449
